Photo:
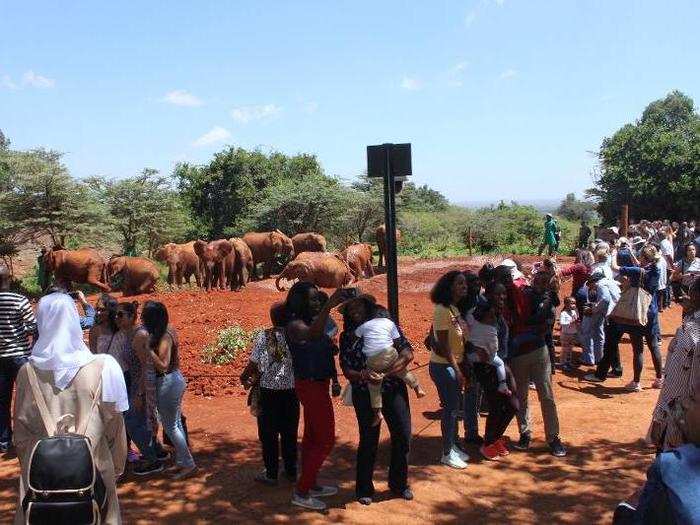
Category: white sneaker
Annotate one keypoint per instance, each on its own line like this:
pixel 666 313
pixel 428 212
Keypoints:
pixel 323 491
pixel 308 502
pixel 633 387
pixel 462 455
pixel 453 460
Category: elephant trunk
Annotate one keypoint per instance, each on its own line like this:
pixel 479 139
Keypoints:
pixel 277 282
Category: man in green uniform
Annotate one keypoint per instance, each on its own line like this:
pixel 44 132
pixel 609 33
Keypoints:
pixel 551 234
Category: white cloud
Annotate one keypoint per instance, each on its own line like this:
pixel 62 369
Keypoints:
pixel 34 80
pixel 469 18
pixel 500 3
pixel 508 73
pixel 455 74
pixel 310 107
pixel 182 97
pixel 411 84
pixel 214 135
pixel 7 83
pixel 245 114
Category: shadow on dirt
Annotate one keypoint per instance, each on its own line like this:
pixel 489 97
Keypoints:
pixel 550 490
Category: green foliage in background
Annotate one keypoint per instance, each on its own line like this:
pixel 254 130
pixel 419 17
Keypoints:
pixel 653 164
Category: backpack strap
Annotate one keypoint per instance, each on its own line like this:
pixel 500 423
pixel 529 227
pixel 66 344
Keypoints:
pixel 49 422
pixel 98 395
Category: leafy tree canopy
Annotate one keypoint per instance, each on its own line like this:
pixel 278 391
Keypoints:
pixel 653 164
pixel 221 194
pixel 574 209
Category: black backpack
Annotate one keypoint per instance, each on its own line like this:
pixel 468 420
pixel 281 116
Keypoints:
pixel 63 484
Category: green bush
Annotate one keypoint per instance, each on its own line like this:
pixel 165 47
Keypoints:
pixel 228 345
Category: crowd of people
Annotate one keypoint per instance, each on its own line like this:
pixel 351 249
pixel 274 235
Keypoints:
pixel 113 372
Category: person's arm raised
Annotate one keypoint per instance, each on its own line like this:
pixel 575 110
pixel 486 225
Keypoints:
pixel 300 331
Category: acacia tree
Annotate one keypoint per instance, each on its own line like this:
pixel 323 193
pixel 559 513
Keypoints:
pixel 144 210
pixel 39 198
pixel 653 164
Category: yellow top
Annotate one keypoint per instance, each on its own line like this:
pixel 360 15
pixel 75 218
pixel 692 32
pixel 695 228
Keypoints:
pixel 446 319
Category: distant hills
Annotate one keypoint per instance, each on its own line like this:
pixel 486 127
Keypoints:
pixel 543 205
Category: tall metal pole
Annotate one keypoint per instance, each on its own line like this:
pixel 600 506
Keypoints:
pixel 392 278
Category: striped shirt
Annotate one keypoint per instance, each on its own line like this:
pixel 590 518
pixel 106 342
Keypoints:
pixel 16 323
pixel 679 378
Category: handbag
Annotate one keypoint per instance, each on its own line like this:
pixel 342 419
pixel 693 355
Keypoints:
pixel 633 306
pixel 63 483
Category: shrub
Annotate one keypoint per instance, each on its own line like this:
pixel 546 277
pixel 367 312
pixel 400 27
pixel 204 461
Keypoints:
pixel 228 345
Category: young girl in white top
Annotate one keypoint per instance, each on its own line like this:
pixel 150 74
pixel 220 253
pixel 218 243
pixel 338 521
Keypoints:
pixel 569 323
pixel 483 335
pixel 379 336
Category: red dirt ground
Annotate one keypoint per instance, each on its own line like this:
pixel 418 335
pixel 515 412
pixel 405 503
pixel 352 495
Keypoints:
pixel 601 424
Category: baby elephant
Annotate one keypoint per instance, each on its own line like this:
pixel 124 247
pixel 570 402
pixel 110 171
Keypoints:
pixel 325 270
pixel 133 275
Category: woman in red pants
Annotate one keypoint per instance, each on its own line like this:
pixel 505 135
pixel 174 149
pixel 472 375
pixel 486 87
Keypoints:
pixel 314 366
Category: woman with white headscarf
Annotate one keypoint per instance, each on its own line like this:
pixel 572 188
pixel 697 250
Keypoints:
pixel 69 377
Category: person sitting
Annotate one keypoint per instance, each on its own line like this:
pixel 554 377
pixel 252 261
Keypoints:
pixel 381 339
pixel 270 366
pixel 69 378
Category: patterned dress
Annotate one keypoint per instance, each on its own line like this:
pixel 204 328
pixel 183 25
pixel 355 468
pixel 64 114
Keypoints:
pixel 143 383
pixel 679 378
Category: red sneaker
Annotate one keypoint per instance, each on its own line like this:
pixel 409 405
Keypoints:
pixel 502 448
pixel 490 452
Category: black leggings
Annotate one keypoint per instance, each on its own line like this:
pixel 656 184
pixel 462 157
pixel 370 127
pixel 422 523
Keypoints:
pixel 278 421
pixel 501 407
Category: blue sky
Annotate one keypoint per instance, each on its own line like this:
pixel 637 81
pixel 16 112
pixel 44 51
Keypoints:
pixel 500 98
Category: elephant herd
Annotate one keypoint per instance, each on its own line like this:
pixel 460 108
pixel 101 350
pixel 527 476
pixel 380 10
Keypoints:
pixel 222 264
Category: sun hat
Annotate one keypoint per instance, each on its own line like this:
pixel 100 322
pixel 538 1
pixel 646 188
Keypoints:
pixel 514 272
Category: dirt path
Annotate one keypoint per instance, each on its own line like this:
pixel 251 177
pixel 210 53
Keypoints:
pixel 601 425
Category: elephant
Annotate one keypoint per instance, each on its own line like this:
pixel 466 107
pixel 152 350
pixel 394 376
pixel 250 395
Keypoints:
pixel 359 258
pixel 381 242
pixel 182 262
pixel 138 275
pixel 85 266
pixel 243 266
pixel 216 259
pixel 325 270
pixel 266 247
pixel 309 242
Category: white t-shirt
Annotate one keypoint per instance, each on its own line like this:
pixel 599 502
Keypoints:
pixel 567 321
pixel 604 268
pixel 666 248
pixel 378 335
pixel 483 335
pixel 663 273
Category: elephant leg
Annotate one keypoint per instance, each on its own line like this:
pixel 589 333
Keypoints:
pixel 197 278
pixel 370 269
pixel 267 269
pixel 93 279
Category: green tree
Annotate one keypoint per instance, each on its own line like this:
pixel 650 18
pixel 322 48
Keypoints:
pixel 313 203
pixel 221 194
pixel 653 164
pixel 39 198
pixel 421 198
pixel 145 210
pixel 574 209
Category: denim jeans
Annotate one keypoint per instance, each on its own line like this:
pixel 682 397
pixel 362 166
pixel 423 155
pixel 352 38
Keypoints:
pixel 445 379
pixel 592 339
pixel 9 366
pixel 169 391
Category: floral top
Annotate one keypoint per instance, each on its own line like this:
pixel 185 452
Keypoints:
pixel 352 357
pixel 271 354
pixel 678 380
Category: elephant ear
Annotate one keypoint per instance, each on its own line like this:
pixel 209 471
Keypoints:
pixel 200 247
